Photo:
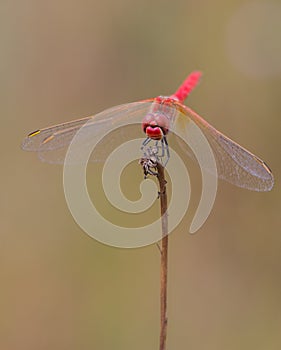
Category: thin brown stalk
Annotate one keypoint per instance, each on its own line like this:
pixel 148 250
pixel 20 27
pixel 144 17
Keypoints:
pixel 164 257
pixel 150 165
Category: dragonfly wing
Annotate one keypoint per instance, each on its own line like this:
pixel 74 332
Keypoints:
pixel 52 143
pixel 235 164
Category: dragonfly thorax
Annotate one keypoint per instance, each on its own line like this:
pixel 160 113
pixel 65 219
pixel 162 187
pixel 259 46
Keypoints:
pixel 155 125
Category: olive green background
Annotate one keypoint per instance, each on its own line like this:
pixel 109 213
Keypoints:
pixel 61 289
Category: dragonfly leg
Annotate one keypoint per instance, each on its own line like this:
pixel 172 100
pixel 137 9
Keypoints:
pixel 165 150
pixel 146 141
pixel 157 152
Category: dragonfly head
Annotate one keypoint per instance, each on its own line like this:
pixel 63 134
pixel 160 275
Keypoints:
pixel 155 125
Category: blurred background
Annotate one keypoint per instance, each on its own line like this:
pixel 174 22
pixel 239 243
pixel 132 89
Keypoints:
pixel 61 289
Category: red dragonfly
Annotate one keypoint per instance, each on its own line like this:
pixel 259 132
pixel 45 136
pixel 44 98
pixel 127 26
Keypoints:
pixel 158 116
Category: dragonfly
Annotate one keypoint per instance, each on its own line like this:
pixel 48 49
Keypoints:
pixel 158 117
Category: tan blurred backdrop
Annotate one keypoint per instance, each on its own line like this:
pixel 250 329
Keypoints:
pixel 61 289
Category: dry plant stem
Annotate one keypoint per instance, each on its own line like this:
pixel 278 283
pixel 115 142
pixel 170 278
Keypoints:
pixel 164 257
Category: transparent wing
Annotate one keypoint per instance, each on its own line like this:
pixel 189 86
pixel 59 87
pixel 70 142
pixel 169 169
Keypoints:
pixel 234 163
pixel 51 143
